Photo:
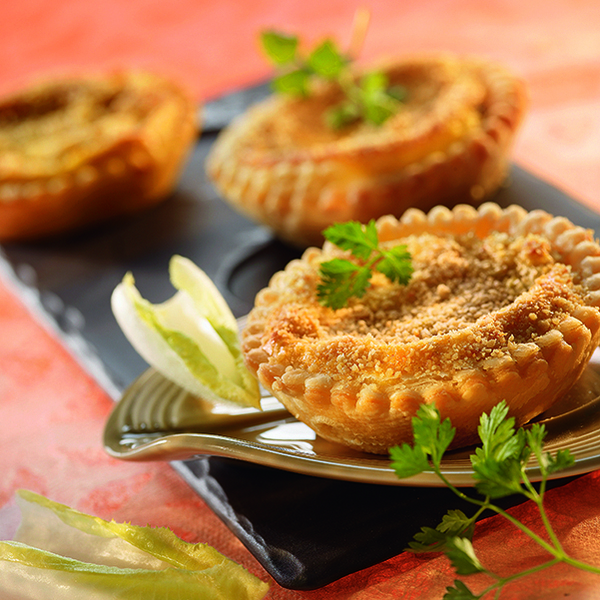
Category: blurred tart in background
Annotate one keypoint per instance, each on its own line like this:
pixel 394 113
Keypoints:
pixel 81 150
pixel 448 143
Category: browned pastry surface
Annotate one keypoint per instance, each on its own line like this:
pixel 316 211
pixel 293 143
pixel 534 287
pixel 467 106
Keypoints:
pixel 449 143
pixel 82 150
pixel 503 305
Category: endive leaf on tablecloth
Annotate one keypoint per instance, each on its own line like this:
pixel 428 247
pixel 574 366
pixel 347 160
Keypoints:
pixel 191 339
pixel 57 547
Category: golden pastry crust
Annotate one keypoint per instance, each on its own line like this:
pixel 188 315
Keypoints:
pixel 86 149
pixel 282 166
pixel 503 305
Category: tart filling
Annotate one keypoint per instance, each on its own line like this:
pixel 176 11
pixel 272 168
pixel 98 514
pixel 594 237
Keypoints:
pixel 80 150
pixel 283 166
pixel 502 305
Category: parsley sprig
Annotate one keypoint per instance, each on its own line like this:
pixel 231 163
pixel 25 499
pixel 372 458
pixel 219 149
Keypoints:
pixel 341 279
pixel 499 470
pixel 369 98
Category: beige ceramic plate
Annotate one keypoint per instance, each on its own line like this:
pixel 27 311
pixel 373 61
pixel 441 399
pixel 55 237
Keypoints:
pixel 156 420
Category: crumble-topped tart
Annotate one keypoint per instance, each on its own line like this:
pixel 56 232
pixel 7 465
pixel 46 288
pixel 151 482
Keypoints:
pixel 80 150
pixel 502 305
pixel 448 143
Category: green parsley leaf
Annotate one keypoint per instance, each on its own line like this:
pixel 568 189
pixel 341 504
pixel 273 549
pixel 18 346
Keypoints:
pixel 396 264
pixel 562 460
pixel 370 98
pixel 459 592
pixel 342 279
pixel 372 84
pixel 428 540
pixel 462 556
pixel 377 113
pixel 431 439
pixel 376 102
pixel 454 524
pixel 497 479
pixel 497 432
pixel 497 463
pixel 431 434
pixel 326 60
pixel 293 82
pixel 408 460
pixel 548 464
pixel 342 115
pixel 279 47
pixel 535 437
pixel 360 239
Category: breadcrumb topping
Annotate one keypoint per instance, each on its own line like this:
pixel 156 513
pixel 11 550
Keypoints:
pixel 469 300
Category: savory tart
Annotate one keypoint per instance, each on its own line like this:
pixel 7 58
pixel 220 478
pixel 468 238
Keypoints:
pixel 448 143
pixel 81 150
pixel 502 305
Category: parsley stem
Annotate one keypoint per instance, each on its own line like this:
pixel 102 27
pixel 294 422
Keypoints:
pixel 557 552
pixel 538 498
pixel 573 562
pixel 377 258
pixel 502 581
pixel 461 495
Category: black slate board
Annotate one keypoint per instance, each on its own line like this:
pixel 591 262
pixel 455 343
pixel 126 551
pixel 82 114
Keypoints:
pixel 306 531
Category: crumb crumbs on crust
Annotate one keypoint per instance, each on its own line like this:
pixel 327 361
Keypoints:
pixel 459 283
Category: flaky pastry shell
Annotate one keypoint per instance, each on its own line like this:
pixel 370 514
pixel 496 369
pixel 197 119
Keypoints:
pixel 282 166
pixel 80 150
pixel 503 305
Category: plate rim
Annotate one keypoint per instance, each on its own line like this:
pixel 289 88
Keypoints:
pixel 185 445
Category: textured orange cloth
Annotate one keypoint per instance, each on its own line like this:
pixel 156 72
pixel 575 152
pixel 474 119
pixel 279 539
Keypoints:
pixel 52 413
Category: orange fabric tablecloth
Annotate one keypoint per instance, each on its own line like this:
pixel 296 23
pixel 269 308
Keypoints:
pixel 52 413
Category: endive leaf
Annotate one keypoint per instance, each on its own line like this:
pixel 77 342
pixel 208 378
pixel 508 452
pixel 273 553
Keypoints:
pixel 55 547
pixel 191 338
